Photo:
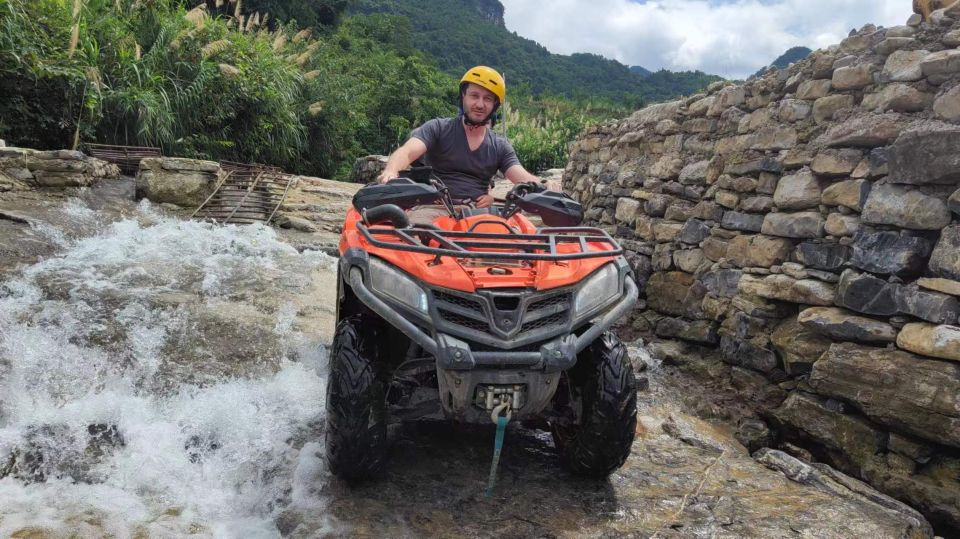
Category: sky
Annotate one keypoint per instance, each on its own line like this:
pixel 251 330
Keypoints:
pixel 730 38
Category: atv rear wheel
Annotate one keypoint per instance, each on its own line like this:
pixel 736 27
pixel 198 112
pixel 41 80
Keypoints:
pixel 356 411
pixel 603 387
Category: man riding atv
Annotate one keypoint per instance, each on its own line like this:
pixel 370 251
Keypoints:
pixel 463 150
pixel 452 307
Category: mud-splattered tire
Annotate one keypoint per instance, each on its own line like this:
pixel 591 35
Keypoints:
pixel 356 413
pixel 604 383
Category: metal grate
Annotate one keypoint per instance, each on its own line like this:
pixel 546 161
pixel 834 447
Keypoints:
pixel 246 196
pixel 126 157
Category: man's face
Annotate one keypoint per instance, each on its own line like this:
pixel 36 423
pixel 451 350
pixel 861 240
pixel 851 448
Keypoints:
pixel 478 102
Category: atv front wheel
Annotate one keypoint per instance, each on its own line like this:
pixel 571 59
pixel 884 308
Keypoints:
pixel 356 411
pixel 603 387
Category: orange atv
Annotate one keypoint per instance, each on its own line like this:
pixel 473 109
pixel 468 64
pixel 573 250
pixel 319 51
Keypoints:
pixel 479 312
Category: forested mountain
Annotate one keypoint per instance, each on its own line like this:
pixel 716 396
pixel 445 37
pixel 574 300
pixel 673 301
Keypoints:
pixel 458 35
pixel 793 54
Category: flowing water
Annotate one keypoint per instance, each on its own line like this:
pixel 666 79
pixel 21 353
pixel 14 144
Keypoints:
pixel 161 378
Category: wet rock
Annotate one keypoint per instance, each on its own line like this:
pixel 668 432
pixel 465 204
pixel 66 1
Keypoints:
pixel 842 325
pixel 864 293
pixel 798 346
pixel 184 182
pixel 849 193
pixel 926 157
pixel 895 205
pixel 754 434
pixel 925 305
pixel 794 225
pixel 798 191
pixel 747 354
pixel 910 447
pixel 851 435
pixel 784 288
pixel 893 389
pixel 864 131
pixel 746 222
pixel 940 341
pixel 700 331
pixel 945 259
pixel 824 256
pixel 758 251
pixel 890 252
pixel 296 223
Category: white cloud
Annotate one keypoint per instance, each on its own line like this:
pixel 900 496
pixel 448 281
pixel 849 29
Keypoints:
pixel 731 38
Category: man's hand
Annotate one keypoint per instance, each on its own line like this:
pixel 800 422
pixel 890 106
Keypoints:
pixel 484 201
pixel 386 176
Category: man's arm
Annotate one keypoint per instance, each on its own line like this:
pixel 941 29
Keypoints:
pixel 518 174
pixel 401 158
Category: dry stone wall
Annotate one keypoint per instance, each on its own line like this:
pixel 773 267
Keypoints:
pixel 806 224
pixel 24 168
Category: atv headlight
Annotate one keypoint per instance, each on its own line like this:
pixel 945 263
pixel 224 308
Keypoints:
pixel 602 287
pixel 390 282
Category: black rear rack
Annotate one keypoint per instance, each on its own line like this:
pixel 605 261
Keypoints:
pixel 539 246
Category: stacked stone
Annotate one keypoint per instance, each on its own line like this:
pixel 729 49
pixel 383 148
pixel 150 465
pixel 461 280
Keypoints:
pixel 366 169
pixel 177 180
pixel 804 223
pixel 22 168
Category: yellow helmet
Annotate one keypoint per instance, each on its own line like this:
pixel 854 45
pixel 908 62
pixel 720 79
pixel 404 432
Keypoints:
pixel 487 78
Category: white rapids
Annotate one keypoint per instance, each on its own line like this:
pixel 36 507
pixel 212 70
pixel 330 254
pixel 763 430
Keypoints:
pixel 158 379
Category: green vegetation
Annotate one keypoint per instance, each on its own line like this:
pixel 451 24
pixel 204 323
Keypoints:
pixel 229 82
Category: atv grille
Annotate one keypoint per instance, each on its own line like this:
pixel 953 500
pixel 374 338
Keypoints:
pixel 554 319
pixel 552 301
pixel 462 302
pixel 465 322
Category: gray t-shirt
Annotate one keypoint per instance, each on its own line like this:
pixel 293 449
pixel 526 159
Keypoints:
pixel 467 173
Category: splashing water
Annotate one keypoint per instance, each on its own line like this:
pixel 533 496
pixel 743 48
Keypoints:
pixel 157 379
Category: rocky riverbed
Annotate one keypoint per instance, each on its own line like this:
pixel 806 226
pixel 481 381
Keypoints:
pixel 161 377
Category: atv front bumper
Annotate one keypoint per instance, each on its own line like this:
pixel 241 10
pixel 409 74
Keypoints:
pixel 454 354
